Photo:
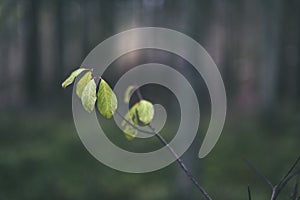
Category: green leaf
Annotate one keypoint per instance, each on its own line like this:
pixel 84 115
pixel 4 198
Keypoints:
pixel 72 77
pixel 107 101
pixel 128 93
pixel 88 97
pixel 141 112
pixel 145 111
pixel 130 132
pixel 83 82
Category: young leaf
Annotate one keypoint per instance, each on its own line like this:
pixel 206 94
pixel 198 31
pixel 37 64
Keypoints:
pixel 72 77
pixel 88 97
pixel 107 101
pixel 141 112
pixel 145 111
pixel 130 132
pixel 128 93
pixel 134 114
pixel 83 82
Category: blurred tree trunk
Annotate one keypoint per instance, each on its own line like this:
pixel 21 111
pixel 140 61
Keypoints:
pixel 107 9
pixel 51 47
pixel 249 60
pixel 185 13
pixel 4 62
pixel 269 70
pixel 289 81
pixel 11 55
pixel 59 41
pixel 85 19
pixel 32 50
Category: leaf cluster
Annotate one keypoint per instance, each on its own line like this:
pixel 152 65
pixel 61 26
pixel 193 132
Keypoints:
pixel 105 100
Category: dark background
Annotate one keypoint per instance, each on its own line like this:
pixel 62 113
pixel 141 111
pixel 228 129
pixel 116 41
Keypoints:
pixel 255 44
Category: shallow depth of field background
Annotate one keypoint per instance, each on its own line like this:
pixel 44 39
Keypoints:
pixel 255 44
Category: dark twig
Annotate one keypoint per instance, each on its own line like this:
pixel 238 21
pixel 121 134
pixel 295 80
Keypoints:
pixel 249 193
pixel 139 94
pixel 163 141
pixel 288 179
pixel 289 172
pixel 294 192
pixel 259 173
pixel 181 164
pixel 178 159
pixel 276 189
pixel 274 192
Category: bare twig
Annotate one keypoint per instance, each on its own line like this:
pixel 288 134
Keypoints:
pixel 178 159
pixel 181 164
pixel 139 94
pixel 276 189
pixel 294 192
pixel 289 172
pixel 259 173
pixel 163 141
pixel 249 193
pixel 289 178
pixel 274 192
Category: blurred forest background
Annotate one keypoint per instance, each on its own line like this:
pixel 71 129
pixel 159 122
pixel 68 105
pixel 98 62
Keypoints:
pixel 255 44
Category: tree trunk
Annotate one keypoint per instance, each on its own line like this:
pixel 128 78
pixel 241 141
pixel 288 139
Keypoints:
pixel 32 50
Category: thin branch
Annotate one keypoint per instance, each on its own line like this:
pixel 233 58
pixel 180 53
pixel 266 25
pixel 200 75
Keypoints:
pixel 276 189
pixel 288 176
pixel 288 179
pixel 249 193
pixel 181 164
pixel 294 192
pixel 259 173
pixel 163 141
pixel 274 192
pixel 178 159
pixel 139 94
pixel 132 125
pixel 289 172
